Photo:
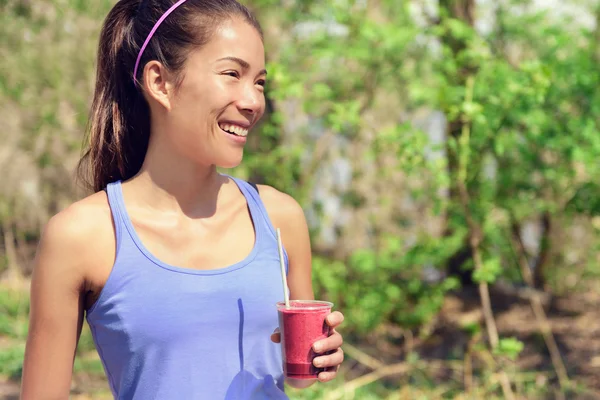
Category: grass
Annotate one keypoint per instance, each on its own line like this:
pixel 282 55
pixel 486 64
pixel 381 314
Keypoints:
pixel 14 311
pixel 11 361
pixel 89 364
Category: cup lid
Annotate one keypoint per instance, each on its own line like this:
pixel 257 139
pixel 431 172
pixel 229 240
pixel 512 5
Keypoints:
pixel 306 304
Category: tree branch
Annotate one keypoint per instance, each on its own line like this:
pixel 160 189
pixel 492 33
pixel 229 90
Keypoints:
pixel 14 270
pixel 545 244
pixel 362 357
pixel 538 309
pixel 385 371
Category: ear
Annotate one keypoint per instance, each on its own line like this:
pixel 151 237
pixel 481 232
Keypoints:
pixel 158 83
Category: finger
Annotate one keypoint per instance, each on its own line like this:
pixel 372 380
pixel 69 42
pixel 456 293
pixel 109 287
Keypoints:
pixel 331 360
pixel 326 376
pixel 334 319
pixel 331 343
pixel 276 337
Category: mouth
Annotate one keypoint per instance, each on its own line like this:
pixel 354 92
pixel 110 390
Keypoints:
pixel 233 129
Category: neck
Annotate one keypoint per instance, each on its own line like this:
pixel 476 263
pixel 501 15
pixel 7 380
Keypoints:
pixel 170 182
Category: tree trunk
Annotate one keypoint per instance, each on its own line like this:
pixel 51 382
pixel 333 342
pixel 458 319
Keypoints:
pixel 463 10
pixel 539 271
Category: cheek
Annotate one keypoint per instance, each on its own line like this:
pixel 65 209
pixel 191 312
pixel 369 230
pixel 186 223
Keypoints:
pixel 200 95
pixel 263 106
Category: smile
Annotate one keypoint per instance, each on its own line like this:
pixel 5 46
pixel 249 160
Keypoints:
pixel 234 129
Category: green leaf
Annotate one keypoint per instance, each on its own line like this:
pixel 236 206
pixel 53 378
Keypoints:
pixel 488 272
pixel 509 347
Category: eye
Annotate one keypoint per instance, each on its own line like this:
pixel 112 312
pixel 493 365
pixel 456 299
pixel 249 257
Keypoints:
pixel 261 82
pixel 233 74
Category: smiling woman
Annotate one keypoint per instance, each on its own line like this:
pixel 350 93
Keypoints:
pixel 174 266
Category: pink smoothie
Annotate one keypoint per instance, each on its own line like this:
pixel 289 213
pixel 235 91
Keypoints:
pixel 301 325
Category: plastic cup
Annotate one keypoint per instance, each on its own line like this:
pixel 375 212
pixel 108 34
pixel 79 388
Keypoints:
pixel 301 325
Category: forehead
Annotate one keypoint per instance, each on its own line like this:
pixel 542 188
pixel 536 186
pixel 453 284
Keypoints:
pixel 233 38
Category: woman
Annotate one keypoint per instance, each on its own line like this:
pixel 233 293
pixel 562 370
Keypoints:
pixel 174 265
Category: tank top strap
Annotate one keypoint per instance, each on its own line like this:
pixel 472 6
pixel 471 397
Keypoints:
pixel 258 210
pixel 260 217
pixel 115 202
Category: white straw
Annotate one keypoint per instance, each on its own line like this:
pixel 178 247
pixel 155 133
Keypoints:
pixel 286 295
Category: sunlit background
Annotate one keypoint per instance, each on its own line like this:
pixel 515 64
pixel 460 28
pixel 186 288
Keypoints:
pixel 446 154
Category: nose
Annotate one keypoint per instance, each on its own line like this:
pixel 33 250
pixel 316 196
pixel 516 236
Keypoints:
pixel 252 100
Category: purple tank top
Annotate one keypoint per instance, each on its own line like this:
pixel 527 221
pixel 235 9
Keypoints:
pixel 166 332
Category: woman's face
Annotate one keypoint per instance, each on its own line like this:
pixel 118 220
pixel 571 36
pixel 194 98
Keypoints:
pixel 221 96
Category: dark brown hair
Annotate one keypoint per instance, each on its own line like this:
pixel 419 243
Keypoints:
pixel 119 123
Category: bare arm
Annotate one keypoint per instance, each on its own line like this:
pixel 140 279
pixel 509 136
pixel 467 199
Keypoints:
pixel 56 313
pixel 285 213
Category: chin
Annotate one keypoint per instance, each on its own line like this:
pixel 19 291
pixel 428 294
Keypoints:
pixel 230 162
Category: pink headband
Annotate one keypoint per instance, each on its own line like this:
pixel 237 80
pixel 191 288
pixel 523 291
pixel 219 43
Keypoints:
pixel 160 20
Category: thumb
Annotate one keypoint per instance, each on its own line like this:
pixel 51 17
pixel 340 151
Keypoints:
pixel 276 336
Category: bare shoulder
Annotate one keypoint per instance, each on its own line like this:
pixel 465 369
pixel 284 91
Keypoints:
pixel 282 208
pixel 77 234
pixel 285 213
pixel 79 222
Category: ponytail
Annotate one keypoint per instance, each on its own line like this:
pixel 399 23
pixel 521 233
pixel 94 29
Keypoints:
pixel 119 123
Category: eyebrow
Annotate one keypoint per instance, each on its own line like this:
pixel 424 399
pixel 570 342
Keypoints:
pixel 244 64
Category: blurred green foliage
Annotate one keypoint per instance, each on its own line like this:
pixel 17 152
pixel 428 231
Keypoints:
pixel 14 309
pixel 11 361
pixel 358 81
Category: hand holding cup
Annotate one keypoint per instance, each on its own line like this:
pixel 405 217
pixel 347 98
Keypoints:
pixel 327 354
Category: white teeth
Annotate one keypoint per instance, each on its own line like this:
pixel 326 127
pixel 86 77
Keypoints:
pixel 237 130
